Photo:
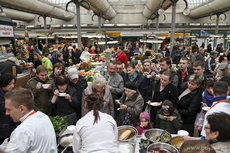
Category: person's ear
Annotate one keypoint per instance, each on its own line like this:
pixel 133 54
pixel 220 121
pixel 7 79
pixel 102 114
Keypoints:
pixel 22 108
pixel 215 134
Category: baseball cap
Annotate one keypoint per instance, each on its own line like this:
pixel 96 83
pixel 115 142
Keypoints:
pixel 73 73
pixel 214 52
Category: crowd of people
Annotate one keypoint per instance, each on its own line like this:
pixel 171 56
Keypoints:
pixel 145 97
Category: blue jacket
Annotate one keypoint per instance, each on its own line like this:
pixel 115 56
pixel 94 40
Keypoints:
pixel 210 65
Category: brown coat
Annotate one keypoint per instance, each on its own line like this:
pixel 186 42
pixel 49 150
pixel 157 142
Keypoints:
pixel 108 105
pixel 135 104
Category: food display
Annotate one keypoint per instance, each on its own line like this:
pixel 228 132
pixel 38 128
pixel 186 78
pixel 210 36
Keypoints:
pixel 165 137
pixel 177 141
pixel 158 135
pixel 124 135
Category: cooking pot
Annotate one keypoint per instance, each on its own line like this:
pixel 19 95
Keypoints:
pixel 132 135
pixel 65 140
pixel 157 135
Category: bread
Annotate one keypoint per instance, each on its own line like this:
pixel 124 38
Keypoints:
pixel 124 135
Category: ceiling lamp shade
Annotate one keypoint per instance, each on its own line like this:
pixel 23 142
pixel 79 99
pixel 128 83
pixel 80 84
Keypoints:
pixel 186 11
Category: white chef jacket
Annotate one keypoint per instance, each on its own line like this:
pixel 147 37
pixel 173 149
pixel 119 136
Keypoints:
pixel 221 107
pixel 98 138
pixel 85 56
pixel 34 135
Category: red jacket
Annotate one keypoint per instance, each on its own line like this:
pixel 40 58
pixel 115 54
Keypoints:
pixel 122 57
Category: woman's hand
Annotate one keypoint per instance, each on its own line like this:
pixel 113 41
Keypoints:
pixel 56 93
pixel 148 102
pixel 123 107
pixel 67 96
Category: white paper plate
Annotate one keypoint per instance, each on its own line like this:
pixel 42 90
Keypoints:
pixel 155 104
pixel 61 94
pixel 205 108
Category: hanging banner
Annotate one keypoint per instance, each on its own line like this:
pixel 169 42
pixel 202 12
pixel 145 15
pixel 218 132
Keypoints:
pixel 6 31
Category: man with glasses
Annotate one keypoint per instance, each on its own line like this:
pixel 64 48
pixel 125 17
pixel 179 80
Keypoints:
pixel 220 104
pixel 79 83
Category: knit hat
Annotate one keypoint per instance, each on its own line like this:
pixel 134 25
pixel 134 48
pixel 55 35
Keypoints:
pixel 5 79
pixel 144 115
pixel 131 85
pixel 73 73
pixel 167 106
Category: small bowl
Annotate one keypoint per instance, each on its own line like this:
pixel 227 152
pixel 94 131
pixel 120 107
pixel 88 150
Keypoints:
pixel 133 134
pixel 71 128
pixel 182 133
pixel 45 86
pixel 62 94
pixel 148 76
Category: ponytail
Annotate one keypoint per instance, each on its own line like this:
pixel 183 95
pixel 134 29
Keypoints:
pixel 93 102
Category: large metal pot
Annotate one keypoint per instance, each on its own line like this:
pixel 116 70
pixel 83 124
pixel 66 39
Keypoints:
pixel 158 135
pixel 161 147
pixel 65 140
pixel 123 128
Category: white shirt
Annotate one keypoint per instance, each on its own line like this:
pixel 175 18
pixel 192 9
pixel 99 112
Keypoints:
pixel 221 107
pixel 100 137
pixel 34 135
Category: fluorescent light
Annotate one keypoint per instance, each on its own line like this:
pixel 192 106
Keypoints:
pixel 30 26
pixel 109 42
pixel 194 24
pixel 69 25
pixel 161 37
pixel 151 41
pixel 108 25
pixel 52 37
pixel 120 25
pixel 135 24
pixel 84 25
pixel 192 36
pixel 55 26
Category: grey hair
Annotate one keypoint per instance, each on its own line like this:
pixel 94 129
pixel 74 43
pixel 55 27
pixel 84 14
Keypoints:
pixel 98 80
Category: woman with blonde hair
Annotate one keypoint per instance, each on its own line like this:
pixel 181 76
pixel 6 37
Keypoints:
pixel 87 137
pixel 99 87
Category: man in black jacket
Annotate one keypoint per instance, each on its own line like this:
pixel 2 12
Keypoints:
pixel 6 67
pixel 79 83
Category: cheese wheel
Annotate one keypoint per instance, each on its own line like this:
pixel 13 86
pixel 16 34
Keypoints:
pixel 124 135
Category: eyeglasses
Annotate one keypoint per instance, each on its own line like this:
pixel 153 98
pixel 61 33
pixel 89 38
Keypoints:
pixel 206 128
